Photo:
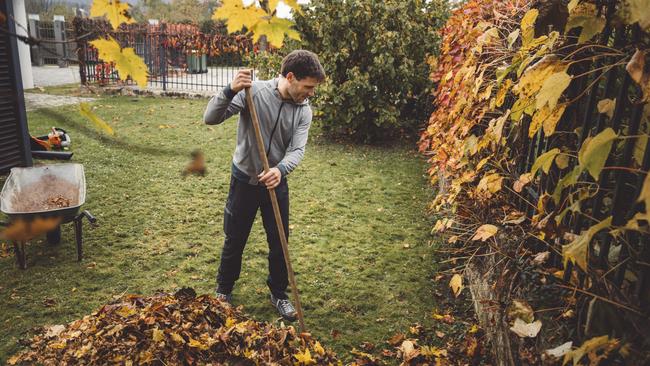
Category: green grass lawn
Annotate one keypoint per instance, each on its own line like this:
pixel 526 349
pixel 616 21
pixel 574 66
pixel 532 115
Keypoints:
pixel 359 242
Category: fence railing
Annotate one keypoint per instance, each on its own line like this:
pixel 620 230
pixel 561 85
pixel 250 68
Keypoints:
pixel 47 53
pixel 178 56
pixel 613 257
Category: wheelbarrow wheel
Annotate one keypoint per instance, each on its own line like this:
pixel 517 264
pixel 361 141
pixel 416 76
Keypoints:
pixel 54 236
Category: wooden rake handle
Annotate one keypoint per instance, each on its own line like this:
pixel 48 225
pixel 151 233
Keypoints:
pixel 276 209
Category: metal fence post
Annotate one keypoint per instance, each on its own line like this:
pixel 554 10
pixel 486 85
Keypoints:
pixel 33 24
pixel 163 54
pixel 59 36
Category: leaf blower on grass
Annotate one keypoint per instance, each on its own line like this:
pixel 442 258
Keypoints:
pixel 274 121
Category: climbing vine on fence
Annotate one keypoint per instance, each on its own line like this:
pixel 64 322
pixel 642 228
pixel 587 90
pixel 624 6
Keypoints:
pixel 514 86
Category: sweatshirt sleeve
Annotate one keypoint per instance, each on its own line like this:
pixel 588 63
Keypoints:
pixel 223 105
pixel 296 149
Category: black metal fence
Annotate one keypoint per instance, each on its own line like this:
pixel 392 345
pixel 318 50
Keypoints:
pixel 178 56
pixel 52 53
pixel 613 257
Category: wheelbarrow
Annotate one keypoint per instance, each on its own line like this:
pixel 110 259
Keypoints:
pixel 55 191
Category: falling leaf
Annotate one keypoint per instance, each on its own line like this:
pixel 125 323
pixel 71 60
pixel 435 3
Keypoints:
pixel 606 106
pixel 127 63
pixel 552 89
pixel 24 230
pixel 560 350
pixel 86 111
pixel 485 232
pixel 456 284
pixel 544 161
pixel 116 11
pixel 523 329
pixel 274 29
pixel 594 152
pixel 577 250
pixel 304 358
pixel 237 15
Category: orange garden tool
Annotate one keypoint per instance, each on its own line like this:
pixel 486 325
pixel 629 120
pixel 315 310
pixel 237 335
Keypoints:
pixel 276 210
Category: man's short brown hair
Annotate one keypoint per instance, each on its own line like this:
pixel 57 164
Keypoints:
pixel 302 64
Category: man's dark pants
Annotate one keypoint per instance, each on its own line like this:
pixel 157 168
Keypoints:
pixel 242 205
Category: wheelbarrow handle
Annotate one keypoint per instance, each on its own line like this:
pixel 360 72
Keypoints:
pixel 92 219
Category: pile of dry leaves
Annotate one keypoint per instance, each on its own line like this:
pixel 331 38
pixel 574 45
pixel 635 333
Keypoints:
pixel 166 329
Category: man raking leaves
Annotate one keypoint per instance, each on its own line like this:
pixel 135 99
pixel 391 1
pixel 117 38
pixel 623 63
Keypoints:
pixel 277 112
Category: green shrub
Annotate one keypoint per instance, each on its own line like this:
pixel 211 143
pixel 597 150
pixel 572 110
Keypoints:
pixel 375 54
pixel 268 63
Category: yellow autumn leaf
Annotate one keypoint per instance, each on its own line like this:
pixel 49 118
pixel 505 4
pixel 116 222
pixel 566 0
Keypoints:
pixel 116 11
pixel 238 16
pixel 503 91
pixel 606 106
pixel 304 358
pixel 319 349
pixel 274 29
pixel 86 111
pixel 230 322
pixel 456 284
pixel 197 344
pixel 177 338
pixel 528 26
pixel 584 17
pixel 521 182
pixel 293 4
pixel 546 118
pixel 126 61
pixel 589 346
pixel 126 311
pixel 636 11
pixel 490 183
pixel 636 68
pixel 157 335
pixel 577 251
pixel 594 152
pixel 544 161
pixel 552 89
pixel 485 232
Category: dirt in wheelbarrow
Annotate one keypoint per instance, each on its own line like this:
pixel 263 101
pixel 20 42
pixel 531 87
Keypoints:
pixel 49 193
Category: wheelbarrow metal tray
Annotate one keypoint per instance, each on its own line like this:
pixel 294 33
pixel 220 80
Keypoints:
pixel 17 188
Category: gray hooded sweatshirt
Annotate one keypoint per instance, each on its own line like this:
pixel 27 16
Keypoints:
pixel 284 125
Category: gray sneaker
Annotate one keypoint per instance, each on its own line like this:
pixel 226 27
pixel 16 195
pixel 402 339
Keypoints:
pixel 227 298
pixel 284 307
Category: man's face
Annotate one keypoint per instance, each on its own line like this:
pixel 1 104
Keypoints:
pixel 299 90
